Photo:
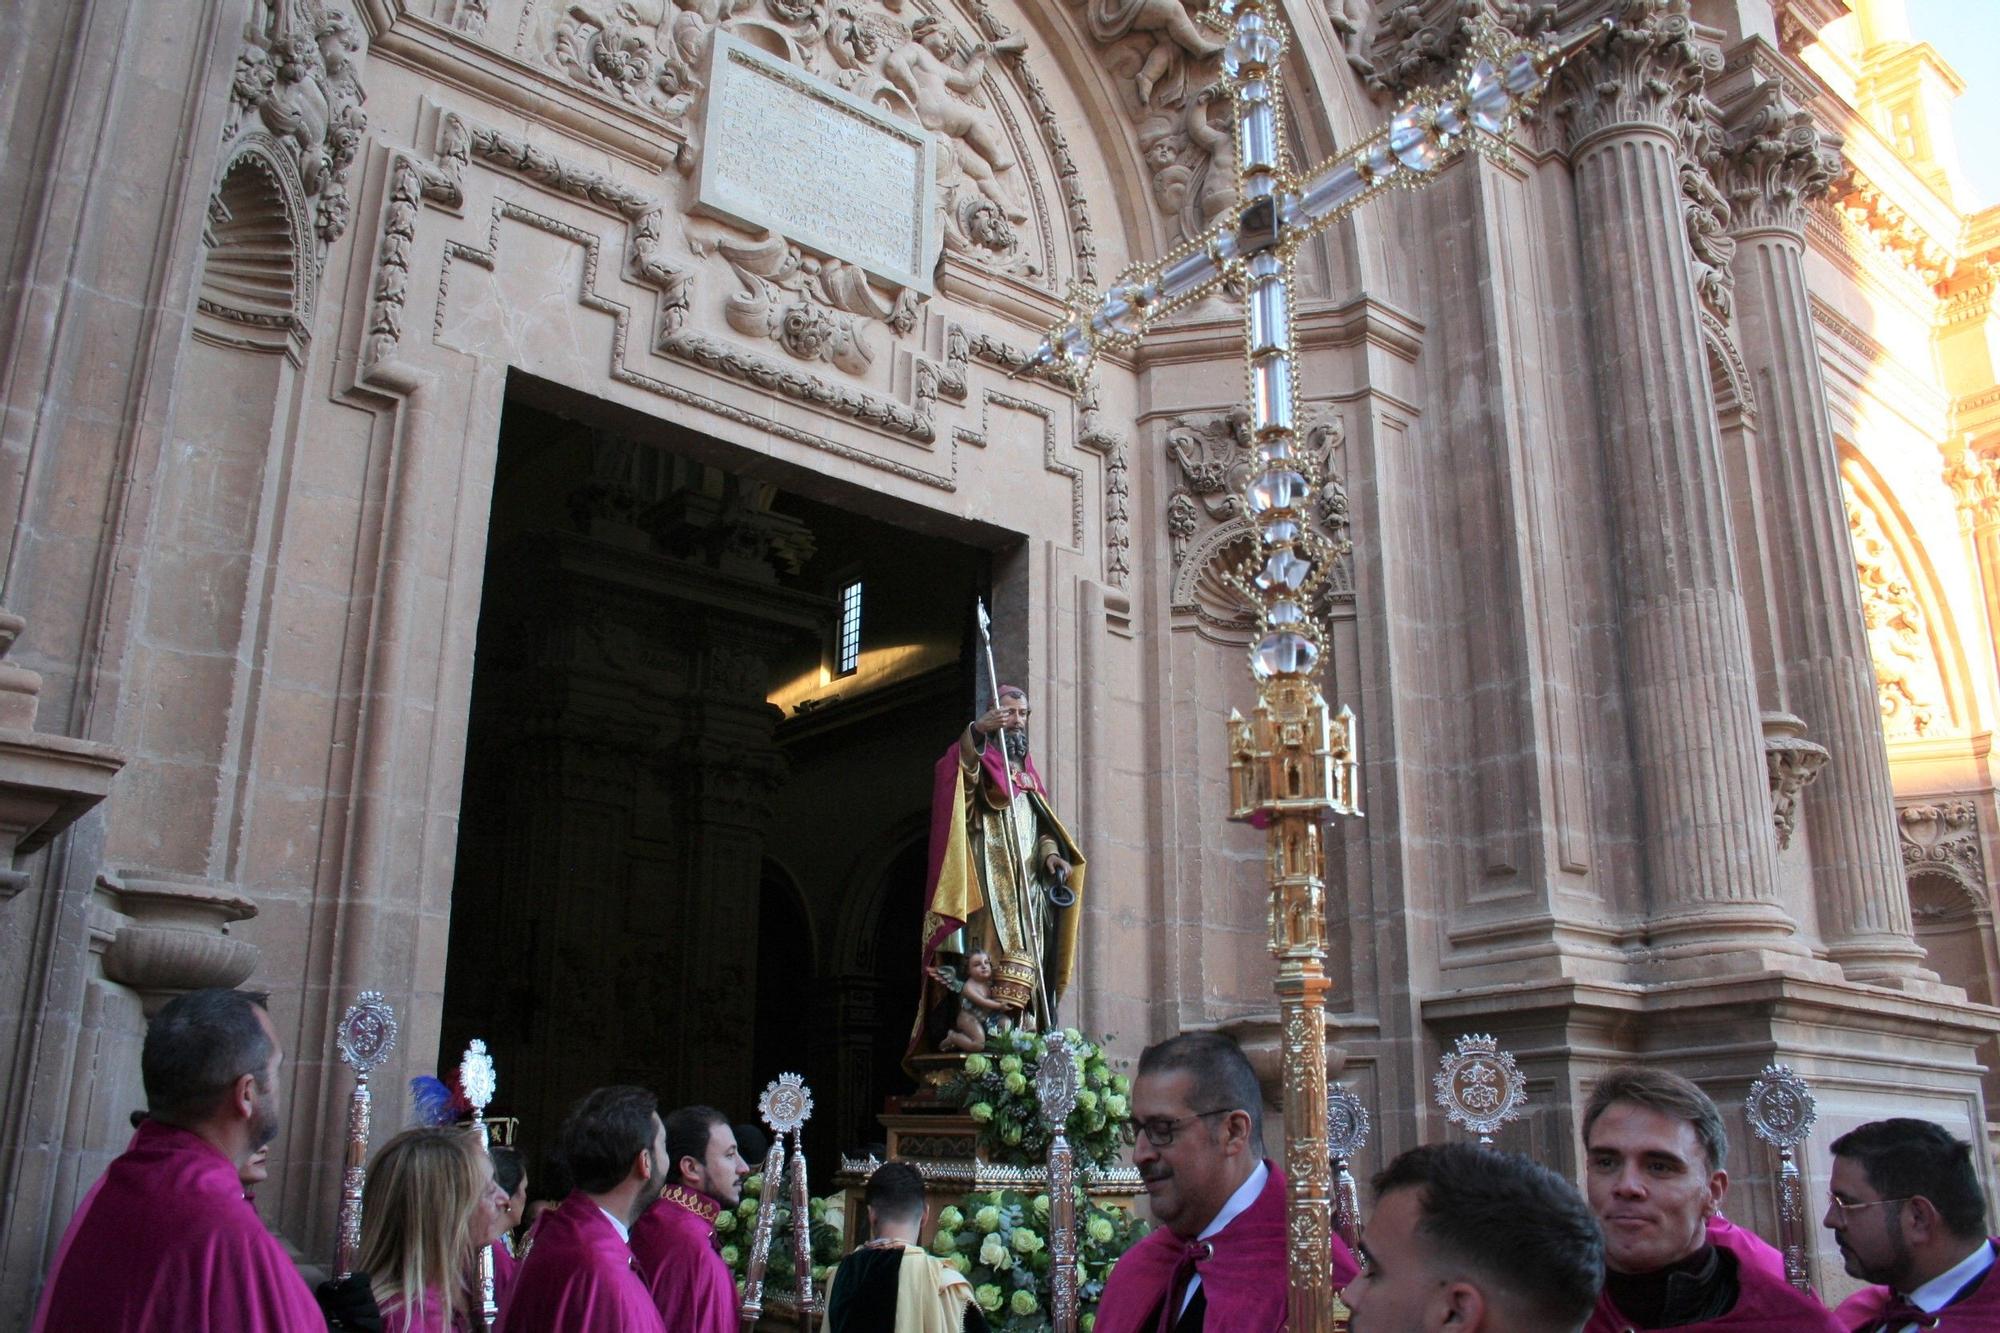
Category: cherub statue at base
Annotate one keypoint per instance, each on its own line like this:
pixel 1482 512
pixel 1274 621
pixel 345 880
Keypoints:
pixel 979 1014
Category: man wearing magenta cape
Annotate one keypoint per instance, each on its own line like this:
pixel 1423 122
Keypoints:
pixel 579 1275
pixel 1000 861
pixel 1217 1259
pixel 1909 1215
pixel 165 1241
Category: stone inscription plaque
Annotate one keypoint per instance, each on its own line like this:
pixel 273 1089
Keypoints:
pixel 792 153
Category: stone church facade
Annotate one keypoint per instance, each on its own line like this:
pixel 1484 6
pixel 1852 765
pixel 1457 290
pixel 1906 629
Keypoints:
pixel 433 481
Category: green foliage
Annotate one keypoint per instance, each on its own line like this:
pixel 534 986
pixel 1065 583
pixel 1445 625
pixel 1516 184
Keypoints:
pixel 735 1230
pixel 1000 1240
pixel 996 1088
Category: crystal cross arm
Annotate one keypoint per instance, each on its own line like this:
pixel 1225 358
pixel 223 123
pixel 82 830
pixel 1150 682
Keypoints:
pixel 1498 80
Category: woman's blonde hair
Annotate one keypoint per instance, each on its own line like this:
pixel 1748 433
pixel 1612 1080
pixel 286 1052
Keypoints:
pixel 417 1218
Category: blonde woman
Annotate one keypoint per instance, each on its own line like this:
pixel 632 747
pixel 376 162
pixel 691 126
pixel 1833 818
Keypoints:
pixel 429 1206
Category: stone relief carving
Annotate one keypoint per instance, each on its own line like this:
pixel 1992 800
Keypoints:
pixel 1943 836
pixel 294 101
pixel 1791 762
pixel 1649 70
pixel 1208 532
pixel 653 55
pixel 1153 43
pixel 1874 214
pixel 1907 680
pixel 1417 41
pixel 1091 434
pixel 1776 158
pixel 1975 484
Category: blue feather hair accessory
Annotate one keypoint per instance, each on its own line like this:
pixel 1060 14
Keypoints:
pixel 433 1101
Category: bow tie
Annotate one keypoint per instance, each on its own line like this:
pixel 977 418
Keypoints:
pixel 1900 1313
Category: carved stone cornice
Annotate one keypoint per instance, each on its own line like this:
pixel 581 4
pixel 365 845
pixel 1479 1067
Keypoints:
pixel 1975 484
pixel 1415 42
pixel 1647 72
pixel 1894 228
pixel 1775 158
pixel 1791 762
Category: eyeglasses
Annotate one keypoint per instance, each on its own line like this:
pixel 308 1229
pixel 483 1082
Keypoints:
pixel 1841 1208
pixel 1160 1132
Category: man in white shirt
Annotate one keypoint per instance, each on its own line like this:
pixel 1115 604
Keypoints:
pixel 1217 1258
pixel 1908 1214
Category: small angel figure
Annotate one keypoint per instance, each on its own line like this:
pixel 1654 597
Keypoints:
pixel 979 1014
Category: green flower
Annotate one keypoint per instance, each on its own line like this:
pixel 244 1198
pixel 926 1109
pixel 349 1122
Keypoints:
pixel 1088 1322
pixel 747 1209
pixel 1116 1106
pixel 975 1065
pixel 988 1297
pixel 754 1185
pixel 725 1221
pixel 730 1254
pixel 1119 1084
pixel 987 1218
pixel 950 1219
pixel 955 1262
pixel 982 1111
pixel 945 1243
pixel 994 1254
pixel 1040 1203
pixel 1011 1136
pixel 1026 1241
pixel 1016 1083
pixel 1086 1100
pixel 1100 1229
pixel 1010 1064
pixel 1023 1303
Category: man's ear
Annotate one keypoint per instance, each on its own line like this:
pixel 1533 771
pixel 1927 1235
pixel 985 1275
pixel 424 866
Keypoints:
pixel 643 1165
pixel 1718 1190
pixel 243 1097
pixel 1459 1307
pixel 1925 1220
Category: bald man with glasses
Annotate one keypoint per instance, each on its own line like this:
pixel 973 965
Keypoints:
pixel 1216 1261
pixel 1909 1215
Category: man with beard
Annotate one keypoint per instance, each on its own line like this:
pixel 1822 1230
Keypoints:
pixel 166 1240
pixel 1217 1258
pixel 1000 863
pixel 1654 1149
pixel 675 1242
pixel 579 1274
pixel 1470 1240
pixel 1909 1216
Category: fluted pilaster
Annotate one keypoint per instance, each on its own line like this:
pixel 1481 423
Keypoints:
pixel 1704 799
pixel 1775 161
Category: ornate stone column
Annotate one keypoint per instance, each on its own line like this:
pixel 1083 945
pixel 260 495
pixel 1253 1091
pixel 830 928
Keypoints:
pixel 1775 160
pixel 1708 853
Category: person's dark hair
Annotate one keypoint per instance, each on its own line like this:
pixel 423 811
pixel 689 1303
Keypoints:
pixel 508 1168
pixel 1515 1224
pixel 752 1143
pixel 1668 1094
pixel 196 1048
pixel 895 1190
pixel 602 1135
pixel 688 1131
pixel 1223 1079
pixel 1904 1158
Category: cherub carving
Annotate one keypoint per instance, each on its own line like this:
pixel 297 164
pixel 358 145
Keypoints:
pixel 926 71
pixel 1171 29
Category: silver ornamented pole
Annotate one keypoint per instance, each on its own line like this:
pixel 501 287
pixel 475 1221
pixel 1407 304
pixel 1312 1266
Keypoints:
pixel 786 1106
pixel 1292 763
pixel 366 1035
pixel 760 1239
pixel 1346 1133
pixel 1056 1084
pixel 1781 1111
pixel 1479 1086
pixel 477 1081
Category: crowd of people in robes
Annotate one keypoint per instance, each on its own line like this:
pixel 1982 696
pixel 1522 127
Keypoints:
pixel 1460 1238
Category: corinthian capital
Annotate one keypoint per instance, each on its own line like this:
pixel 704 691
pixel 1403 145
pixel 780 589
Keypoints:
pixel 1774 158
pixel 1975 483
pixel 1648 72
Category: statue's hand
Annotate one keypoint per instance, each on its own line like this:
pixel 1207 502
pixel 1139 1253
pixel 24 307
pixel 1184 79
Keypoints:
pixel 989 723
pixel 1057 867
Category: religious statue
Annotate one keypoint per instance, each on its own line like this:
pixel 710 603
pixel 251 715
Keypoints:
pixel 927 72
pixel 1004 872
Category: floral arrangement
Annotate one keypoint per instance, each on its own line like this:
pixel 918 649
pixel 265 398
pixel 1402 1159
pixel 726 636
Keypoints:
pixel 999 1240
pixel 996 1088
pixel 734 1231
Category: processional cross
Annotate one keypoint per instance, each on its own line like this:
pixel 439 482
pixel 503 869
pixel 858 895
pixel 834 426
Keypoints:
pixel 1290 764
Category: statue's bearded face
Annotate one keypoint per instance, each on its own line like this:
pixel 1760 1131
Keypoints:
pixel 1013 710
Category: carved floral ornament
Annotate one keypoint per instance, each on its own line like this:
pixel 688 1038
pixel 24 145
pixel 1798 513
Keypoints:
pixel 1908 683
pixel 1943 836
pixel 1209 534
pixel 295 103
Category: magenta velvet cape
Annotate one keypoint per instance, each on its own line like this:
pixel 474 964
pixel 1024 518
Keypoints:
pixel 1244 1279
pixel 675 1245
pixel 578 1278
pixel 1980 1310
pixel 166 1242
pixel 1764 1304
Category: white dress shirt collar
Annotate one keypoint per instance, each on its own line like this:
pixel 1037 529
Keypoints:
pixel 1931 1297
